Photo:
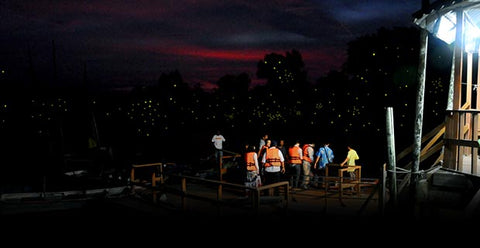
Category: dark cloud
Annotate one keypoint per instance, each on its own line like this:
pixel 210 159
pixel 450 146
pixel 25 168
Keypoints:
pixel 134 41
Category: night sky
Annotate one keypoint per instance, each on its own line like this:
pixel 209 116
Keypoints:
pixel 117 44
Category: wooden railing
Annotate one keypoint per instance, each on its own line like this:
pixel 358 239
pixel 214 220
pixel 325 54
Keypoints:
pixel 156 170
pixel 157 182
pixel 254 193
pixel 343 182
pixel 156 175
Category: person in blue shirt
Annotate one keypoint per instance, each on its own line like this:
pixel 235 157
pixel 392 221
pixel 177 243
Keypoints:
pixel 324 156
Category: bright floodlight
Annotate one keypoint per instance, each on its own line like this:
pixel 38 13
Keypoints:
pixel 441 21
pixel 446 27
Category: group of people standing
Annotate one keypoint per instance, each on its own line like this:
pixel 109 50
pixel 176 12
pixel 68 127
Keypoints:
pixel 300 164
pixel 273 162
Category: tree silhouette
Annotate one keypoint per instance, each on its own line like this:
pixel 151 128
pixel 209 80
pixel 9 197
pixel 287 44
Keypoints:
pixel 286 98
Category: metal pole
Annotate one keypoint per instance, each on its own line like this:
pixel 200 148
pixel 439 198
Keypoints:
pixel 419 110
pixel 392 161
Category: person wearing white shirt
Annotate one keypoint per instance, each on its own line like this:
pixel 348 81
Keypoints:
pixel 217 141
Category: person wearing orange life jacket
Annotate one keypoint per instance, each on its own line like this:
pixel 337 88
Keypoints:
pixel 295 155
pixel 252 169
pixel 263 149
pixel 308 153
pixel 274 164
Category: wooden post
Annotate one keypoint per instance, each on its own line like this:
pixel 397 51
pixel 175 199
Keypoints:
pixel 340 185
pixel 460 149
pixel 219 198
pixel 391 155
pixel 476 124
pixel 419 109
pixel 162 180
pixel 358 172
pixel 452 132
pixel 220 186
pixel 132 174
pixel 184 193
pixel 220 164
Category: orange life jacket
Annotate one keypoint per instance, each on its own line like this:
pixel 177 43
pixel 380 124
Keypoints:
pixel 250 161
pixel 293 154
pixel 305 153
pixel 272 158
